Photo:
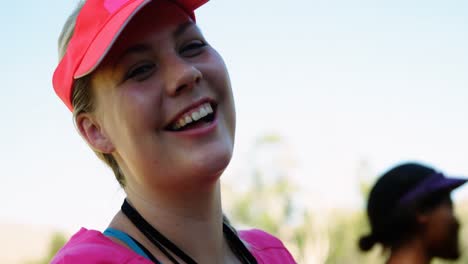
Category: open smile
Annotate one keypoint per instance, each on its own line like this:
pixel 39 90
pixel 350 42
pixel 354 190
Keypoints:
pixel 200 115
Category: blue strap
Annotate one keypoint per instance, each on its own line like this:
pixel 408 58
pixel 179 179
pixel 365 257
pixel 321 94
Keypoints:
pixel 124 237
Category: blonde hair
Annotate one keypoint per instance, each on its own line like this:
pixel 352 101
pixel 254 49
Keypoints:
pixel 82 97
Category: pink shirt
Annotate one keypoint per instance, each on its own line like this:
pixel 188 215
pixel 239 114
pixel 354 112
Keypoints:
pixel 91 246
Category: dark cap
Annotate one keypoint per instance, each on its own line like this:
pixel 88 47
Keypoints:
pixel 436 182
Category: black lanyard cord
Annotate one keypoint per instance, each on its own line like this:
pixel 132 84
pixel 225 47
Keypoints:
pixel 237 246
pixel 161 247
pixel 164 244
pixel 154 235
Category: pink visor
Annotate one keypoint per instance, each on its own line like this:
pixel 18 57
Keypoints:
pixel 98 25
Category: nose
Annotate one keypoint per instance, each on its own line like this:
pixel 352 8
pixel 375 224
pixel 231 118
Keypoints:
pixel 180 76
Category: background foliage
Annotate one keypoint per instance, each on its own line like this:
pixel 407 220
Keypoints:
pixel 313 236
pixel 270 200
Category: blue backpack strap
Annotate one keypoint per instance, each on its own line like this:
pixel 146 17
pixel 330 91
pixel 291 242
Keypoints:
pixel 130 242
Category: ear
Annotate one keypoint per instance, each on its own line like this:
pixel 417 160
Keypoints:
pixel 92 132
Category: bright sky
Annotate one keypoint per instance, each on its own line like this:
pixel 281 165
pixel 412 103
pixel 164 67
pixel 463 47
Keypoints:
pixel 342 81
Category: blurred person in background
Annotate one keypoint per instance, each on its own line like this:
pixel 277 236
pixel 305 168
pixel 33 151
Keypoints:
pixel 154 101
pixel 411 215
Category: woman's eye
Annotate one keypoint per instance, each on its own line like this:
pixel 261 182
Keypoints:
pixel 192 49
pixel 140 72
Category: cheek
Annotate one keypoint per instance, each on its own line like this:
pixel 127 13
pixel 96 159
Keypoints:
pixel 133 104
pixel 220 78
pixel 444 226
pixel 140 108
pixel 217 70
pixel 125 119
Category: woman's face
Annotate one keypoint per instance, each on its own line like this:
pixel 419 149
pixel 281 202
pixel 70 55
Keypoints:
pixel 164 101
pixel 441 231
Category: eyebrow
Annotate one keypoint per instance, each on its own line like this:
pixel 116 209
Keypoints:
pixel 182 28
pixel 141 48
pixel 135 49
pixel 138 48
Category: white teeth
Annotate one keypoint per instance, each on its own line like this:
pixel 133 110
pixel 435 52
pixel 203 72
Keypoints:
pixel 208 108
pixel 196 115
pixel 203 112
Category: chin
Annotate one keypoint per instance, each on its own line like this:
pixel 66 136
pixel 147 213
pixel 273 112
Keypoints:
pixel 214 164
pixel 450 253
pixel 207 166
pixel 451 256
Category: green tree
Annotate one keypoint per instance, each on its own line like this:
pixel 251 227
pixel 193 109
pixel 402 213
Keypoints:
pixel 57 241
pixel 269 201
pixel 347 226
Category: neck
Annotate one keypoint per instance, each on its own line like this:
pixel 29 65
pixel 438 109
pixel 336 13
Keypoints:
pixel 412 252
pixel 182 217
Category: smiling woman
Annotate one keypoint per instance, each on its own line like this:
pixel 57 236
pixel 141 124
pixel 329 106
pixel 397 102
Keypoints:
pixel 154 101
